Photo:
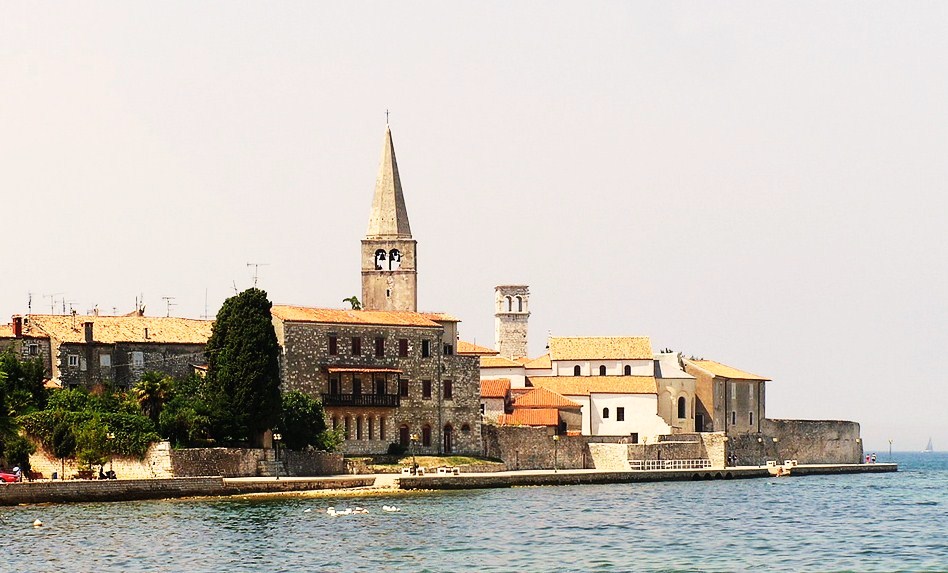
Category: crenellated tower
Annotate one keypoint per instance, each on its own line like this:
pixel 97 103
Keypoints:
pixel 511 312
pixel 389 265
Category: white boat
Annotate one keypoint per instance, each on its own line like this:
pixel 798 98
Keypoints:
pixel 928 449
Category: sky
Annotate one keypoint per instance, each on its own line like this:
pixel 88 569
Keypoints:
pixel 757 183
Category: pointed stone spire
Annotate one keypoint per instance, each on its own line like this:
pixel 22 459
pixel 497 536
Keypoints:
pixel 389 218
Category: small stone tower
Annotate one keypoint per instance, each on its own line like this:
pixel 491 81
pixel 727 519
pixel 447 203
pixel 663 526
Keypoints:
pixel 389 271
pixel 511 312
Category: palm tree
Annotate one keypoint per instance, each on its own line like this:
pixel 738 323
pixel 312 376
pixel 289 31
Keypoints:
pixel 151 392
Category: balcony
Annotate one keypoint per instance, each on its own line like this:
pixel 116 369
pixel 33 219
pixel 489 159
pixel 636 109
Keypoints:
pixel 361 400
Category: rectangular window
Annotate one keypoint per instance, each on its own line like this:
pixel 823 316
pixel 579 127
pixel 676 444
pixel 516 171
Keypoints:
pixel 448 390
pixel 426 389
pixel 425 348
pixel 73 360
pixel 380 347
pixel 403 347
pixel 620 414
pixel 750 418
pixel 105 360
pixel 334 386
pixel 733 417
pixel 356 387
pixel 483 408
pixel 333 345
pixel 448 349
pixel 356 345
pixel 634 437
pixel 138 359
pixel 381 428
pixel 403 387
pixel 34 350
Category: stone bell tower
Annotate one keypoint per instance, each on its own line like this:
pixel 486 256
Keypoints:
pixel 511 312
pixel 389 271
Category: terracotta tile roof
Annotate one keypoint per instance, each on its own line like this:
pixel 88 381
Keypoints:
pixel 498 362
pixel 473 349
pixel 112 329
pixel 495 388
pixel 601 348
pixel 531 417
pixel 440 317
pixel 585 385
pixel 543 398
pixel 6 331
pixel 724 371
pixel 541 363
pixel 340 316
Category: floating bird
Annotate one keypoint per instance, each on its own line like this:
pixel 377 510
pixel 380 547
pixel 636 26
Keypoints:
pixel 307 510
pixel 390 508
pixel 37 523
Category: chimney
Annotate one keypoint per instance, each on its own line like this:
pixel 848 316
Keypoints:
pixel 17 326
pixel 88 328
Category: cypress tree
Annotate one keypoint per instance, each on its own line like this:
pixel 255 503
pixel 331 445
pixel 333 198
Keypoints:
pixel 243 368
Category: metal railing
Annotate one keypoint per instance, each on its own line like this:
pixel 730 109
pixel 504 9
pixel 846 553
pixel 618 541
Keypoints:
pixel 669 464
pixel 367 400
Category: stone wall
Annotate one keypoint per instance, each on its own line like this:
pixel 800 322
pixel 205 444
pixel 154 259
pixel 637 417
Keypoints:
pixel 525 448
pixel 227 462
pixel 312 463
pixel 156 463
pixel 807 441
pixel 108 490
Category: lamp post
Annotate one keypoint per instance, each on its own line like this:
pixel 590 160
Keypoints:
pixel 110 437
pixel 556 441
pixel 276 450
pixel 890 450
pixel 412 440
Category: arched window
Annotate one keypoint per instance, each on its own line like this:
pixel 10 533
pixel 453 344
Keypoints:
pixel 379 257
pixel 602 369
pixel 605 413
pixel 448 439
pixel 404 437
pixel 371 427
pixel 519 304
pixel 509 304
pixel 682 407
pixel 359 428
pixel 628 370
pixel 394 260
pixel 576 370
pixel 465 428
pixel 426 436
pixel 348 428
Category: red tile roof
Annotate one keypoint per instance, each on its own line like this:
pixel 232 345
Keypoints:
pixel 585 385
pixel 724 371
pixel 473 349
pixel 543 398
pixel 495 388
pixel 531 417
pixel 112 329
pixel 498 362
pixel 338 316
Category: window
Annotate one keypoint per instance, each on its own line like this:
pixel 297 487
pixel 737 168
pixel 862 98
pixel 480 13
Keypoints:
pixel 605 413
pixel 750 418
pixel 403 435
pixel 105 360
pixel 138 359
pixel 448 390
pixel 348 426
pixel 576 370
pixel 426 436
pixel 356 345
pixel 620 414
pixel 425 348
pixel 380 347
pixel 333 385
pixel 371 433
pixel 73 360
pixel 733 417
pixel 333 346
pixel 682 406
pixel 602 369
pixel 483 408
pixel 335 423
pixel 381 428
pixel 466 428
pixel 403 347
pixel 448 439
pixel 403 387
pixel 358 428
pixel 33 350
pixel 380 386
pixel 448 349
pixel 628 370
pixel 426 389
pixel 634 437
pixel 356 387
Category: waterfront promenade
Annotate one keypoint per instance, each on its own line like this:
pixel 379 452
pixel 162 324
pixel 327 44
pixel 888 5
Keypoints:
pixel 127 490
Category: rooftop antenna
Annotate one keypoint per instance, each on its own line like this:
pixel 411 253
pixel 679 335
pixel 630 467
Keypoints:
pixel 168 303
pixel 29 303
pixel 235 286
pixel 52 301
pixel 205 316
pixel 256 271
pixel 386 117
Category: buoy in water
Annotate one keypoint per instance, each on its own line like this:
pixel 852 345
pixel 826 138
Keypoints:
pixel 37 523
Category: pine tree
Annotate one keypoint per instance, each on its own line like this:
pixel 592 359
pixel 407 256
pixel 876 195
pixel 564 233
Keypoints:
pixel 243 369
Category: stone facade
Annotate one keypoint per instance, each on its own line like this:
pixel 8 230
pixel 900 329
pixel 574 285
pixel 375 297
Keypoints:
pixel 526 448
pixel 156 463
pixel 807 441
pixel 122 364
pixel 511 314
pixel 731 404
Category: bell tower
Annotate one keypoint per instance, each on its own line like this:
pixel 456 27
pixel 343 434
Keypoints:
pixel 389 271
pixel 511 312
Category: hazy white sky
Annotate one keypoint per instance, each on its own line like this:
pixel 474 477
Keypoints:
pixel 757 183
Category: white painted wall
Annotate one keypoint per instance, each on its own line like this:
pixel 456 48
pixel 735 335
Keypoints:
pixel 613 367
pixel 515 375
pixel 640 416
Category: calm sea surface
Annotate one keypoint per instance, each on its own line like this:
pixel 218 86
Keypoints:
pixel 883 522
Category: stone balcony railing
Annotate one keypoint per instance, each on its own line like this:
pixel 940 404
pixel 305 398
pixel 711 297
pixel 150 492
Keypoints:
pixel 362 400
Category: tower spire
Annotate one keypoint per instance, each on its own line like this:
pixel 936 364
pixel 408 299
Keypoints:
pixel 389 218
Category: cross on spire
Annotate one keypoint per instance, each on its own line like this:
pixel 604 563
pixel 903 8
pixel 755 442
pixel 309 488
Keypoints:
pixel 386 117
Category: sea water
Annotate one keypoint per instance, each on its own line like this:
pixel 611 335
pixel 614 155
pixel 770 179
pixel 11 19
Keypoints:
pixel 867 522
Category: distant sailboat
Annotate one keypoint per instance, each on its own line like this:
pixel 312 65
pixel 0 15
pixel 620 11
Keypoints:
pixel 928 449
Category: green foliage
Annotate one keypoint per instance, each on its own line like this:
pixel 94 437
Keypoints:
pixel 186 417
pixel 396 449
pixel 151 392
pixel 243 369
pixel 354 301
pixel 303 423
pixel 63 441
pixel 21 391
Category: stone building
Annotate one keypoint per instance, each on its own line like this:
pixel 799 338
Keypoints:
pixel 385 373
pixel 26 345
pixel 729 400
pixel 511 313
pixel 88 350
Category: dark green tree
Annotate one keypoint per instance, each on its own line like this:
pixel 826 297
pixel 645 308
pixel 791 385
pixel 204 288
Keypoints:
pixel 64 445
pixel 303 422
pixel 151 392
pixel 243 372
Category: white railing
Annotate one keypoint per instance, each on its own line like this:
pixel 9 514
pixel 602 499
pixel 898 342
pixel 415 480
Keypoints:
pixel 669 464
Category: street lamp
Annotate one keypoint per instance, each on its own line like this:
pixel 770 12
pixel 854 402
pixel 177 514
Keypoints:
pixel 276 447
pixel 110 437
pixel 556 440
pixel 890 450
pixel 413 439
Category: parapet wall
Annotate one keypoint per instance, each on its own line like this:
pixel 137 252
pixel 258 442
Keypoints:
pixel 807 441
pixel 524 448
pixel 313 463
pixel 156 463
pixel 227 462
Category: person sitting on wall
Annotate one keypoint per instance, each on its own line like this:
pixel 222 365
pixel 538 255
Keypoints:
pixel 102 472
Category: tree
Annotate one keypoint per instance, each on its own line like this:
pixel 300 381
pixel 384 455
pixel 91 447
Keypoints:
pixel 354 301
pixel 243 371
pixel 303 422
pixel 151 392
pixel 64 445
